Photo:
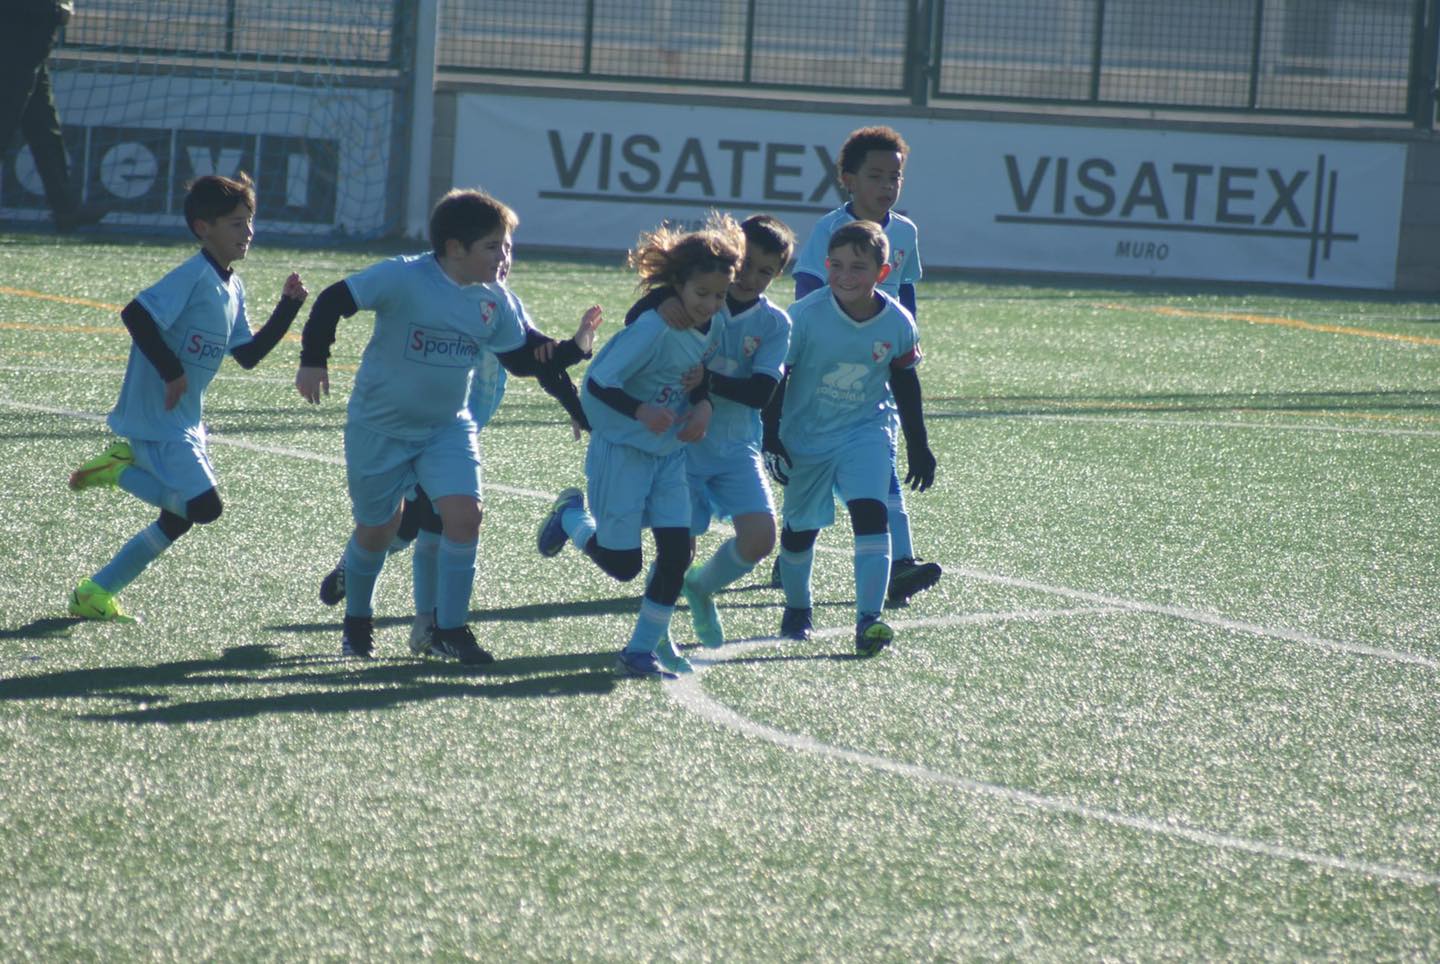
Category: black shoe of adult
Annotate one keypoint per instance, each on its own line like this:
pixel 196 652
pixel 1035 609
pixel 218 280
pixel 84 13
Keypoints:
pixel 84 216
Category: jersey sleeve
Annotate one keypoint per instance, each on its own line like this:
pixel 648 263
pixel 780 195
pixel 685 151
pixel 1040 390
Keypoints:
pixel 166 299
pixel 774 345
pixel 508 332
pixel 629 350
pixel 907 344
pixel 374 285
pixel 909 268
pixel 813 252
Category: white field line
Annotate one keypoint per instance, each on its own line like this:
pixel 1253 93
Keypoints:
pixel 688 693
pixel 1144 421
pixel 1177 612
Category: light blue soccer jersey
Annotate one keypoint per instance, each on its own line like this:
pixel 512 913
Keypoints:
pixel 487 387
pixel 840 371
pixel 430 333
pixel 904 248
pixel 753 342
pixel 201 317
pixel 646 360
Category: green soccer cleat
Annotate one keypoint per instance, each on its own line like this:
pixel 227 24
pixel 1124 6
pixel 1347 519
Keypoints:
pixel 703 613
pixel 871 636
pixel 103 469
pixel 89 601
pixel 671 659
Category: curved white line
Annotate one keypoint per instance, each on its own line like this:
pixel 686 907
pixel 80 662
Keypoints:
pixel 688 693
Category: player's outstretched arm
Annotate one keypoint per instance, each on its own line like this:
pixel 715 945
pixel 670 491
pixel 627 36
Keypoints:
pixel 269 335
pixel 920 461
pixel 334 303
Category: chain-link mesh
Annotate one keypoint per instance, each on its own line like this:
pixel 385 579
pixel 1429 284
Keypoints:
pixel 1303 56
pixel 152 93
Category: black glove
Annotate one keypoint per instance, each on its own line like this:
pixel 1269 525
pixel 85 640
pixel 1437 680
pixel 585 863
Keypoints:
pixel 920 471
pixel 777 460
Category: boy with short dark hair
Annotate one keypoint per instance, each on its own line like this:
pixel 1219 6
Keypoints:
pixel 182 327
pixel 850 347
pixel 408 422
pixel 872 171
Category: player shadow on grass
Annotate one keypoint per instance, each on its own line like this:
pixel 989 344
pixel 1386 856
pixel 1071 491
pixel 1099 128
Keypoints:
pixel 348 685
pixel 533 613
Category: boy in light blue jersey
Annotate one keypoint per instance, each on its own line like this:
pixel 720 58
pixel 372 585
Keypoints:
pixel 182 327
pixel 420 524
pixel 408 420
pixel 872 171
pixel 646 397
pixel 850 345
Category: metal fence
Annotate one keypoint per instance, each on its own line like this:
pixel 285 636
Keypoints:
pixel 1344 58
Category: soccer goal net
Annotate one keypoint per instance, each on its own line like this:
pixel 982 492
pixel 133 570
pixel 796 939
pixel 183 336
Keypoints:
pixel 306 97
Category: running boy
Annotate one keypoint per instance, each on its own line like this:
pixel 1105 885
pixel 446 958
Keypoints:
pixel 851 345
pixel 872 171
pixel 182 327
pixel 408 421
pixel 419 522
pixel 646 399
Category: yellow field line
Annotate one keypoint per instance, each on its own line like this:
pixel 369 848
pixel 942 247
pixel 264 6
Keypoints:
pixel 59 299
pixel 1253 319
pixel 70 329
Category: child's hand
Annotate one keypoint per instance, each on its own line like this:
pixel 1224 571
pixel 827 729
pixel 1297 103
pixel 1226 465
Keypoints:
pixel 295 288
pixel 544 350
pixel 697 422
pixel 174 391
pixel 655 418
pixel 576 429
pixel 311 381
pixel 673 312
pixel 589 323
pixel 692 377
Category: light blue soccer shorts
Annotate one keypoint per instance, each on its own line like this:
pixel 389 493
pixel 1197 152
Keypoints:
pixel 182 467
pixel 380 470
pixel 859 469
pixel 630 490
pixel 724 488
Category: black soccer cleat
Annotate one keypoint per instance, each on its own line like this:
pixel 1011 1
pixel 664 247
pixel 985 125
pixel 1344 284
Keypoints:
pixel 459 643
pixel 909 576
pixel 796 623
pixel 358 637
pixel 332 587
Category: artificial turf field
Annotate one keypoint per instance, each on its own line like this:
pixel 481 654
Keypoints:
pixel 1176 696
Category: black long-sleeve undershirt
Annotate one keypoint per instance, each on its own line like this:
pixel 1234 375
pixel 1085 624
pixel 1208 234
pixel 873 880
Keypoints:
pixel 337 302
pixel 146 333
pixel 753 392
pixel 905 386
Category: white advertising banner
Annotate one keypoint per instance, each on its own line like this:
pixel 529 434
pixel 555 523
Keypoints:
pixel 1047 197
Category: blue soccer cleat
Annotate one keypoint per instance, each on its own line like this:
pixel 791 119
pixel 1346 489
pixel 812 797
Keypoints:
pixel 641 666
pixel 551 537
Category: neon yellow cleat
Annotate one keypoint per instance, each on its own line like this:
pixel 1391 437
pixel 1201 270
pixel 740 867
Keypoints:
pixel 103 469
pixel 89 601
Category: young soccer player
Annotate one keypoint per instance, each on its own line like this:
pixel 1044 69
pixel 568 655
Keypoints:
pixel 420 524
pixel 872 171
pixel 724 469
pixel 408 421
pixel 182 327
pixel 850 347
pixel 646 397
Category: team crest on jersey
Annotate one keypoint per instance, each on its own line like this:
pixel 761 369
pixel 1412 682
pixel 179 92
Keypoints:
pixel 487 312
pixel 897 257
pixel 879 350
pixel 750 344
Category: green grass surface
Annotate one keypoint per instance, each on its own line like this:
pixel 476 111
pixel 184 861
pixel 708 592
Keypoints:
pixel 1175 697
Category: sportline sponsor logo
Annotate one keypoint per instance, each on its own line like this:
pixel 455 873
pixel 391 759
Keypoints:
pixel 639 168
pixel 1178 198
pixel 203 349
pixel 447 349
